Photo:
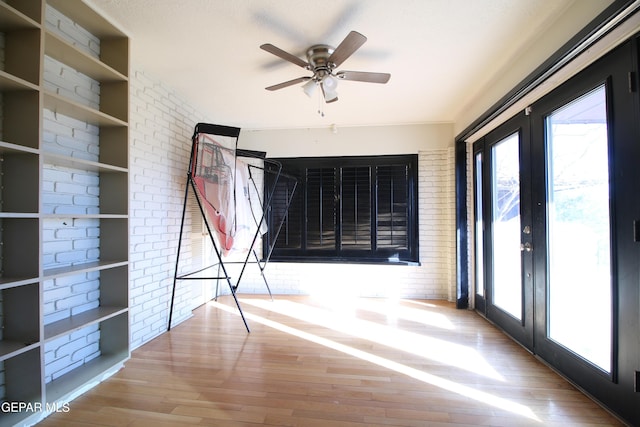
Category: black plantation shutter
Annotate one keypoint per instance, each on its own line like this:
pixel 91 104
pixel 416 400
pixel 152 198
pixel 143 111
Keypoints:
pixel 360 209
pixel 321 210
pixel 393 208
pixel 290 235
pixel 355 208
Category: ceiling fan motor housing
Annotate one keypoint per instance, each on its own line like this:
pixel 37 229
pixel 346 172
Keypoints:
pixel 318 59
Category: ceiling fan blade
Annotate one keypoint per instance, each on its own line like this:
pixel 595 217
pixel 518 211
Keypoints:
pixel 284 55
pixel 350 44
pixel 362 76
pixel 288 83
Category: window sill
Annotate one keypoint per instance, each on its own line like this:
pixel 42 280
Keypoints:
pixel 325 260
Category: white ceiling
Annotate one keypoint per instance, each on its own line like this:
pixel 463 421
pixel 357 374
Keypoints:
pixel 441 54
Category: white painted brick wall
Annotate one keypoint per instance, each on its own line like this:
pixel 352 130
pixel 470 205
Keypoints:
pixel 70 351
pixel 71 32
pixel 70 295
pixel 161 126
pixel 67 191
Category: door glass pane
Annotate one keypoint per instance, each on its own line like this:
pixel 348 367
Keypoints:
pixel 579 299
pixel 479 234
pixel 505 200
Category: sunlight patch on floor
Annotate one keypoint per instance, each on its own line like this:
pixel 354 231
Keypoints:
pixel 431 348
pixel 397 309
pixel 425 377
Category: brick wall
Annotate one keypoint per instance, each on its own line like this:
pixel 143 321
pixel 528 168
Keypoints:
pixel 437 222
pixel 161 126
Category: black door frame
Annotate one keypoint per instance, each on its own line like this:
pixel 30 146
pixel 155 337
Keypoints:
pixel 520 329
pixel 618 390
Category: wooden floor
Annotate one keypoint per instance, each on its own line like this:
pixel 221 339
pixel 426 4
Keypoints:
pixel 339 362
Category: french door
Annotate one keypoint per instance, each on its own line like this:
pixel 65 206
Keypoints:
pixel 575 226
pixel 556 240
pixel 503 200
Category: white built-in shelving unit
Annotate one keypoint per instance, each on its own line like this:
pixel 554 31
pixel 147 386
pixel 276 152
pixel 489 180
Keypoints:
pixel 26 334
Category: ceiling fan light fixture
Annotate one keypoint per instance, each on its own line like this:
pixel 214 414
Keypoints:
pixel 329 86
pixel 330 82
pixel 309 87
pixel 330 96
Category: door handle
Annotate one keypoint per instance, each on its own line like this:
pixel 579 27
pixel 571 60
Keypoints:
pixel 526 247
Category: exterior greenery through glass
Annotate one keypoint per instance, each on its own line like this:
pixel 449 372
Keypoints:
pixel 348 209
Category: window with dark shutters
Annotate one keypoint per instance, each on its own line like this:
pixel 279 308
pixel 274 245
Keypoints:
pixel 349 209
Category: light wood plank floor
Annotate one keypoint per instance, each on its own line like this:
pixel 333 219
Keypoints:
pixel 338 362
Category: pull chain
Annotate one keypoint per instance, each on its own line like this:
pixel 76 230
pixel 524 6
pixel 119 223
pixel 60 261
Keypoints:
pixel 320 106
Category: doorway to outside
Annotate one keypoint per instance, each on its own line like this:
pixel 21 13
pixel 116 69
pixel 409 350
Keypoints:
pixel 555 203
pixel 577 217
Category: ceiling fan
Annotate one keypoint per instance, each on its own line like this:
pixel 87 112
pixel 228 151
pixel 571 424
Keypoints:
pixel 322 60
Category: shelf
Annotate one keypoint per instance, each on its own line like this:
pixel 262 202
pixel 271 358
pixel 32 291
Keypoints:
pixel 22 40
pixel 113 182
pixel 114 44
pixel 21 117
pixel 10 83
pixel 87 18
pixel 110 246
pixel 60 105
pixel 84 216
pixel 20 319
pixel 113 153
pixel 65 52
pixel 19 242
pixel 75 163
pixel 12 282
pixel 19 180
pixel 12 19
pixel 9 349
pixel 85 377
pixel 79 321
pixel 22 382
pixel 7 147
pixel 114 350
pixel 88 267
pixel 19 215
